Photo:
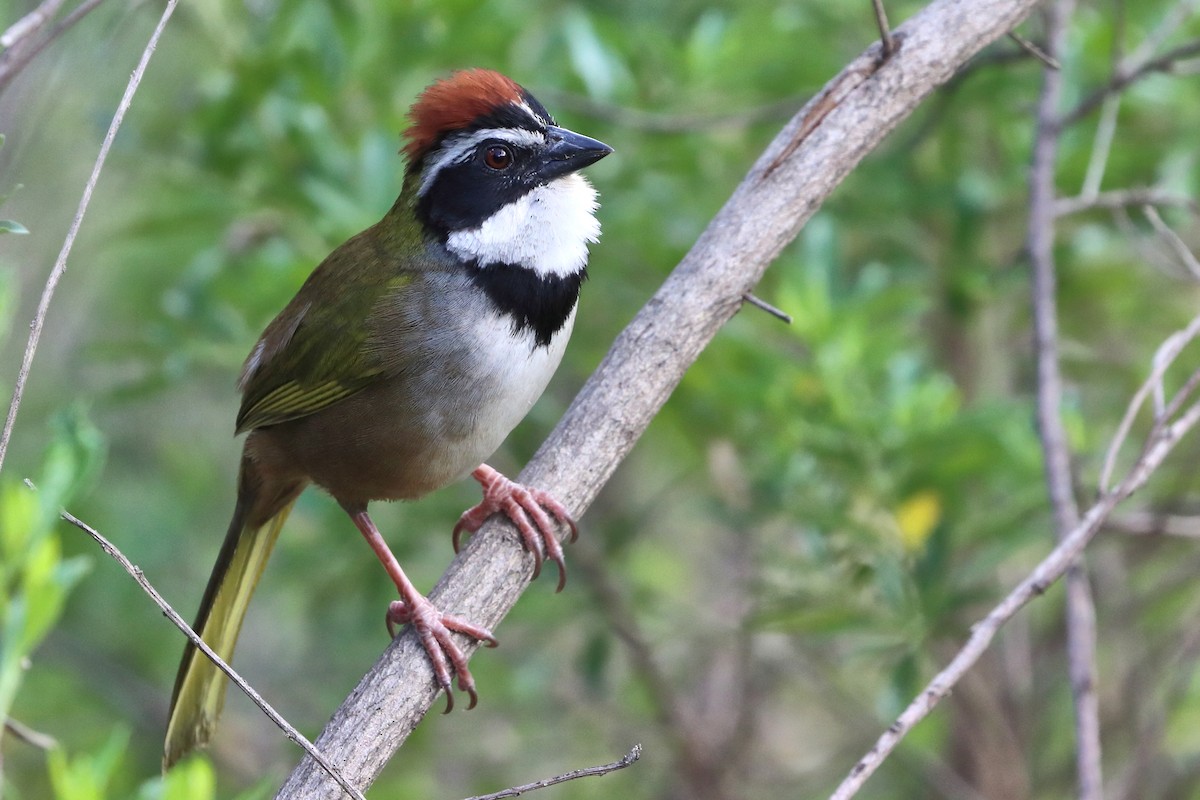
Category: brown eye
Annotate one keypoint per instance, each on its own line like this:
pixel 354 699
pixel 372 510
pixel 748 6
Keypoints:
pixel 497 156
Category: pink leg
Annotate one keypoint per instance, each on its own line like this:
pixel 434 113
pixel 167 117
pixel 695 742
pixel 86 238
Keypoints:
pixel 432 626
pixel 527 508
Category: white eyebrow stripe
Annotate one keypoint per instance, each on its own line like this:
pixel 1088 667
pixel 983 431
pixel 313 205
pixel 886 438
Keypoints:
pixel 457 149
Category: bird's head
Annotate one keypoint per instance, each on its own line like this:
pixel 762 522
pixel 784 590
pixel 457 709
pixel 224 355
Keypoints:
pixel 496 179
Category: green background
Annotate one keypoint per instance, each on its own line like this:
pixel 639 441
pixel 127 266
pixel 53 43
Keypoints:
pixel 803 537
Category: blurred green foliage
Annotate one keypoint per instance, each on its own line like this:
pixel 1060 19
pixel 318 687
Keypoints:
pixel 805 534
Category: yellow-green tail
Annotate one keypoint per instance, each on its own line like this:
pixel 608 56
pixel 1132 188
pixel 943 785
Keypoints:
pixel 200 686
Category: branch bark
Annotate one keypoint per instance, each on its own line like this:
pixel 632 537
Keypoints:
pixel 788 183
pixel 1080 613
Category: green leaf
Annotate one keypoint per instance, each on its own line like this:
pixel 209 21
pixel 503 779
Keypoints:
pixel 86 776
pixel 191 779
pixel 12 226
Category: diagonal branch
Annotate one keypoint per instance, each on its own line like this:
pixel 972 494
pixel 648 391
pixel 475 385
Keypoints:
pixel 1158 445
pixel 21 44
pixel 170 613
pixel 60 264
pixel 798 171
pixel 1128 75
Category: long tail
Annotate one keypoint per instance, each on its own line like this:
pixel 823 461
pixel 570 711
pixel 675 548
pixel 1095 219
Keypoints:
pixel 200 686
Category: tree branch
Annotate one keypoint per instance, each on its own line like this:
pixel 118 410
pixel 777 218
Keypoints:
pixel 1119 199
pixel 21 47
pixel 60 265
pixel 1128 75
pixel 1162 439
pixel 516 791
pixel 801 167
pixel 170 613
pixel 1080 613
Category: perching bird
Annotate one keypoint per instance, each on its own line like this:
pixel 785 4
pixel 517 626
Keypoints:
pixel 407 357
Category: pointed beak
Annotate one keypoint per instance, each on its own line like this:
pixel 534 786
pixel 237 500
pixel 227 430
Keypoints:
pixel 569 152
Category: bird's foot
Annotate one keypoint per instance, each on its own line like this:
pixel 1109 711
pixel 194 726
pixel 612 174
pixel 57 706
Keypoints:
pixel 433 628
pixel 527 508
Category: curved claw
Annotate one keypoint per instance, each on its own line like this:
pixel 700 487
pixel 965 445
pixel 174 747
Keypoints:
pixel 532 511
pixel 463 524
pixel 433 628
pixel 562 574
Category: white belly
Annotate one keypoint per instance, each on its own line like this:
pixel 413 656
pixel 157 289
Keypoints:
pixel 511 375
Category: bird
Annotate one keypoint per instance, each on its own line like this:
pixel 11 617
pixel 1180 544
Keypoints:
pixel 406 358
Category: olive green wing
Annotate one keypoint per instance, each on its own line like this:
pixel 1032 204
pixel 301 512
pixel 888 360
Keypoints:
pixel 317 351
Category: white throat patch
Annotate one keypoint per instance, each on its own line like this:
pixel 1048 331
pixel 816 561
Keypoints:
pixel 546 230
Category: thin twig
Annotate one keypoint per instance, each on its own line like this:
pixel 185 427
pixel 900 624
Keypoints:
pixel 26 734
pixel 1106 131
pixel 1080 611
pixel 29 24
pixel 1171 21
pixel 1107 127
pixel 885 30
pixel 1164 356
pixel 1123 198
pixel 288 730
pixel 759 303
pixel 1150 523
pixel 13 60
pixel 1048 572
pixel 516 791
pixel 1035 51
pixel 60 265
pixel 1173 240
pixel 1123 78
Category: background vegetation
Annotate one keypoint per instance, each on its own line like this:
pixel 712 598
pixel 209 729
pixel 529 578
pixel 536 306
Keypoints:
pixel 802 539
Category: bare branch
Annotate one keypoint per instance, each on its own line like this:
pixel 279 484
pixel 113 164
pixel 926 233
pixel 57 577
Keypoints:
pixel 1150 523
pixel 800 168
pixel 763 305
pixel 1049 571
pixel 1106 131
pixel 1080 607
pixel 23 49
pixel 60 265
pixel 888 44
pixel 1121 199
pixel 29 24
pixel 1125 77
pixel 1173 240
pixel 1163 358
pixel 288 730
pixel 1175 18
pixel 516 791
pixel 26 734
pixel 1035 51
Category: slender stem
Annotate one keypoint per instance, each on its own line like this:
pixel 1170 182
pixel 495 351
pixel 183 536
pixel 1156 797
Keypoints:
pixel 1120 199
pixel 516 791
pixel 22 51
pixel 1127 76
pixel 1080 607
pixel 885 30
pixel 288 730
pixel 60 265
pixel 1048 572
